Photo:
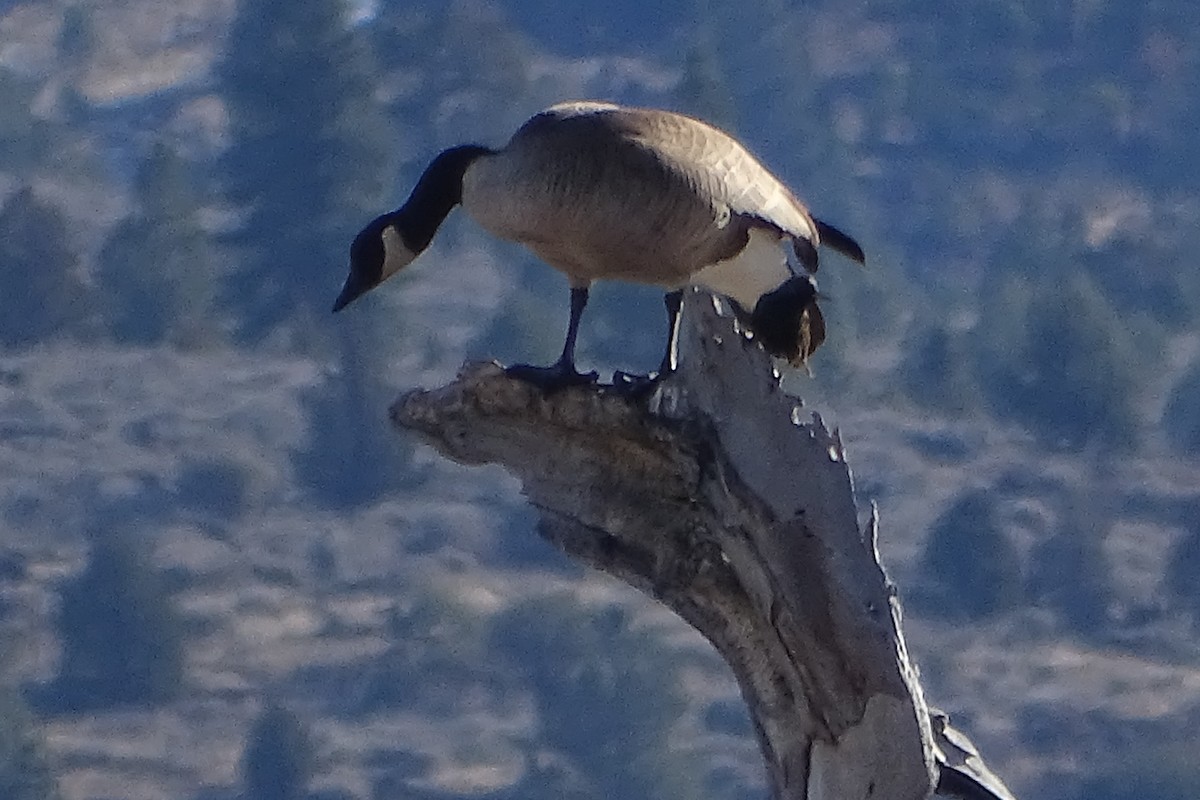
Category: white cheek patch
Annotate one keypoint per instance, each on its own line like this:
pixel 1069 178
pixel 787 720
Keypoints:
pixel 759 268
pixel 396 255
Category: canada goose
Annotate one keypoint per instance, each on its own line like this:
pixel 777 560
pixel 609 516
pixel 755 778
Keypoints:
pixel 603 191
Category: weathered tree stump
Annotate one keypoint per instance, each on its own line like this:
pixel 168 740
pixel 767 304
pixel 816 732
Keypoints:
pixel 719 496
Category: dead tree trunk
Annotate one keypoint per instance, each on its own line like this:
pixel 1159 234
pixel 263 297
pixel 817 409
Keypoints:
pixel 718 496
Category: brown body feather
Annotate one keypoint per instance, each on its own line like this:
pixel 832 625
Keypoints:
pixel 631 194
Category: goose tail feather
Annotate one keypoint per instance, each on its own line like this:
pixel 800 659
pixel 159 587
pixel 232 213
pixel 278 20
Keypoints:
pixel 839 241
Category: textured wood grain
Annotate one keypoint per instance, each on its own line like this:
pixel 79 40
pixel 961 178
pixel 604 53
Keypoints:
pixel 718 495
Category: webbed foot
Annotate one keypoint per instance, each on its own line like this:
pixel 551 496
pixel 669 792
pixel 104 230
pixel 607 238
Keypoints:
pixel 553 378
pixel 634 385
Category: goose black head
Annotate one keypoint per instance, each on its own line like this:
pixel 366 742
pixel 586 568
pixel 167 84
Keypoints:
pixel 392 241
pixel 378 252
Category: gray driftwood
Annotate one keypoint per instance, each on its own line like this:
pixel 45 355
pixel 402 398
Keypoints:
pixel 719 496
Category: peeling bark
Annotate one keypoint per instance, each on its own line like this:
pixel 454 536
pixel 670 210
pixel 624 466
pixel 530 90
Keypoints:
pixel 717 495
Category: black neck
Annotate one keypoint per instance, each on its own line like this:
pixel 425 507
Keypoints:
pixel 438 190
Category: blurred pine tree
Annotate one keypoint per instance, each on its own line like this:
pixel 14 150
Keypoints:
pixel 1181 418
pixel 278 761
pixel 309 158
pixel 1183 572
pixel 24 138
pixel 937 372
pixel 971 568
pixel 122 642
pixel 77 43
pixel 1070 573
pixel 608 695
pixel 1058 359
pixel 351 455
pixel 157 270
pixel 41 294
pixel 25 772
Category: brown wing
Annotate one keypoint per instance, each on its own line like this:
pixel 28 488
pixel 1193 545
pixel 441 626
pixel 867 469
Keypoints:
pixel 725 173
pixel 682 193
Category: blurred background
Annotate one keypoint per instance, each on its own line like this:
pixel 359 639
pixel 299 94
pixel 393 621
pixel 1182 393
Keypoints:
pixel 223 575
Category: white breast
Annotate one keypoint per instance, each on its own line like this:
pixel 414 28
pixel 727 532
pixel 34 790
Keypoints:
pixel 759 268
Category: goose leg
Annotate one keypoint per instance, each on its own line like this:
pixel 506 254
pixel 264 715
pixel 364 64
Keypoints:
pixel 561 373
pixel 639 383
